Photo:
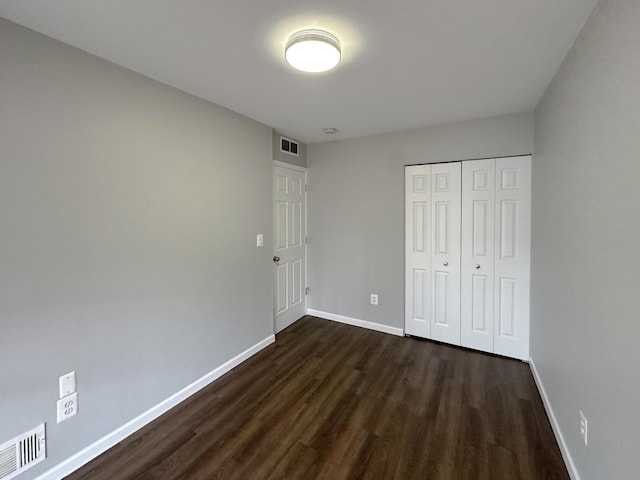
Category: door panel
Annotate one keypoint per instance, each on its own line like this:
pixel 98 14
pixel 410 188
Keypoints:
pixel 478 233
pixel 419 218
pixel 480 309
pixel 506 307
pixel 420 312
pixel 289 245
pixel 282 281
pixel 443 227
pixel 297 282
pixel 508 228
pixel 512 263
pixel 445 258
pixel 481 229
pixel 280 228
pixel 417 250
pixel 297 235
pixel 440 290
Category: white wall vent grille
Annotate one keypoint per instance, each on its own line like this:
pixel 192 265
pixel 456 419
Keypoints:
pixel 289 146
pixel 23 452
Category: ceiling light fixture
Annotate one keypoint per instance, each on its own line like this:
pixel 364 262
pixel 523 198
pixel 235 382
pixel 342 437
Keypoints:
pixel 330 130
pixel 312 51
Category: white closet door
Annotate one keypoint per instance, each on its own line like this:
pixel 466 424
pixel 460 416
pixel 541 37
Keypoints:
pixel 445 252
pixel 512 253
pixel 417 250
pixel 478 233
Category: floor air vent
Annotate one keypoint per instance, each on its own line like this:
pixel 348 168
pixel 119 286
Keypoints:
pixel 22 453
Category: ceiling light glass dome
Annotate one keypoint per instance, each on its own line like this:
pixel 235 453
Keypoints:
pixel 312 51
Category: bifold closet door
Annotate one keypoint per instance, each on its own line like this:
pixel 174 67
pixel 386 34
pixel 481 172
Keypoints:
pixel 467 253
pixel 478 233
pixel 432 236
pixel 445 252
pixel 417 250
pixel 512 256
pixel 496 217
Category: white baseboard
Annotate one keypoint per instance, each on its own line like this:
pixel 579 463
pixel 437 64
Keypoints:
pixel 357 323
pixel 573 471
pixel 105 443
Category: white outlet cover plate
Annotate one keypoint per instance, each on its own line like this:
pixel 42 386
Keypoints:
pixel 67 407
pixel 374 299
pixel 259 240
pixel 584 427
pixel 68 384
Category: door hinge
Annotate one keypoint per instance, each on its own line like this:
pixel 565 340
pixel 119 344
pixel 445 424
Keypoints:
pixel 306 291
pixel 306 188
pixel 306 240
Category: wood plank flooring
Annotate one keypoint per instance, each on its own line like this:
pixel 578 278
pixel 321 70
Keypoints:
pixel 329 401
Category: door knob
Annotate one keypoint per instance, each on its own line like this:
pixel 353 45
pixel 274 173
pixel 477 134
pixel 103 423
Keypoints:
pixel 276 259
pixel 446 264
pixel 477 266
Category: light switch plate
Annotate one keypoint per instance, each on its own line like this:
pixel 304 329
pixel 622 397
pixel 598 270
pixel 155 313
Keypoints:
pixel 260 240
pixel 68 384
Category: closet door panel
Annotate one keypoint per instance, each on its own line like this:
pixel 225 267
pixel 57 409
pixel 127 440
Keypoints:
pixel 418 250
pixel 512 256
pixel 478 233
pixel 445 252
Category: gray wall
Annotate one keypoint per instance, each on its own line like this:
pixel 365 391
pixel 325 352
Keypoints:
pixel 356 208
pixel 129 212
pixel 300 160
pixel 585 330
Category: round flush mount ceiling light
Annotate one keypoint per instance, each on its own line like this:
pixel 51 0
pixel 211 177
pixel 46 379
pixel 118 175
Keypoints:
pixel 312 51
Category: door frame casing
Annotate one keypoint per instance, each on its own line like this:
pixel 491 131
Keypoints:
pixel 305 171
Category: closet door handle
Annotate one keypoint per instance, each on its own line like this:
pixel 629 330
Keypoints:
pixel 446 264
pixel 276 259
pixel 477 267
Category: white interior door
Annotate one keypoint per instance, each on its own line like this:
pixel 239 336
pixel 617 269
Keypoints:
pixel 445 252
pixel 478 233
pixel 289 231
pixel 512 256
pixel 418 250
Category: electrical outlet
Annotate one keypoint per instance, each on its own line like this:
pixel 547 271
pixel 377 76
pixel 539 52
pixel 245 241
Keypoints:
pixel 67 407
pixel 374 299
pixel 259 240
pixel 583 427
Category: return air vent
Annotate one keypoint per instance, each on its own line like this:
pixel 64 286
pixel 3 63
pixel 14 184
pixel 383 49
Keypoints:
pixel 289 146
pixel 22 453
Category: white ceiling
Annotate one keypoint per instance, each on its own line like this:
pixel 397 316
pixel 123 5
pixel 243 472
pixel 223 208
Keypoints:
pixel 406 63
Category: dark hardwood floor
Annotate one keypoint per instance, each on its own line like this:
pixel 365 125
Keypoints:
pixel 330 401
